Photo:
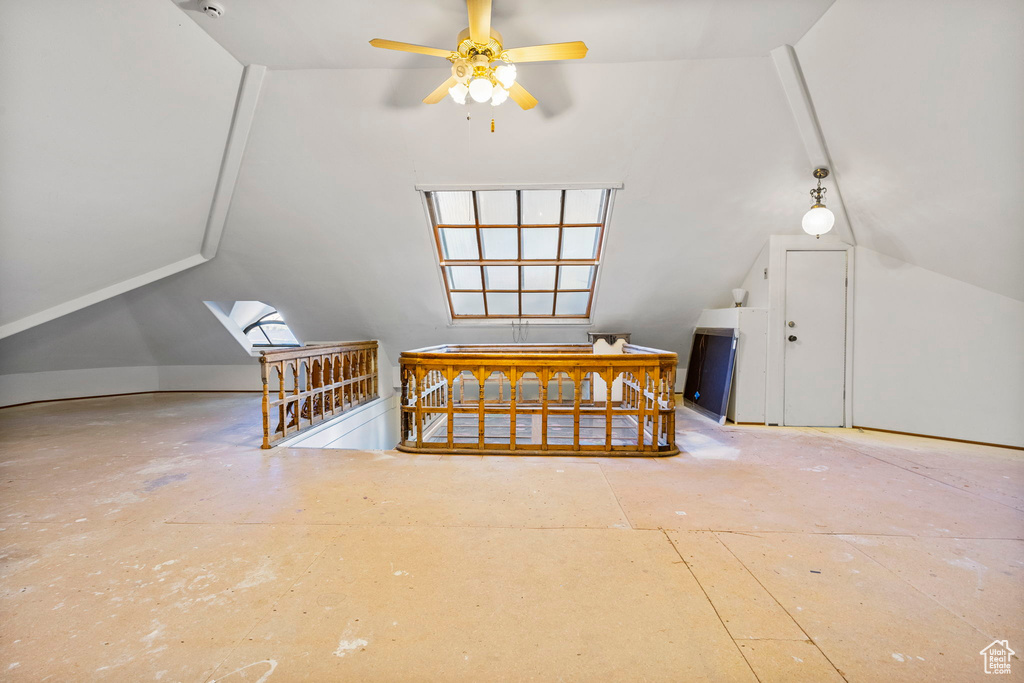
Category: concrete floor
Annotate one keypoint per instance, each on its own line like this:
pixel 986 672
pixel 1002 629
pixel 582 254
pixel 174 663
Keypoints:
pixel 148 538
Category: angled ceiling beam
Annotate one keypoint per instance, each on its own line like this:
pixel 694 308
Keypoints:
pixel 234 150
pixel 231 163
pixel 99 295
pixel 792 77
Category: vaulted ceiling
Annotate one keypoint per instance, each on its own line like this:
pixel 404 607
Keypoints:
pixel 677 100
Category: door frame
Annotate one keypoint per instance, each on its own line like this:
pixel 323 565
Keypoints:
pixel 775 385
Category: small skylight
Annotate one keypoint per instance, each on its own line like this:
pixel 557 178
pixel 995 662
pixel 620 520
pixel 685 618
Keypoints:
pixel 519 253
pixel 254 324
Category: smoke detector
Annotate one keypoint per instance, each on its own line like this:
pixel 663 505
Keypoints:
pixel 211 9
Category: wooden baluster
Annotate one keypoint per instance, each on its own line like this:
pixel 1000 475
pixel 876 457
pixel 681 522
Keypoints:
pixel 282 408
pixel 308 401
pixel 419 406
pixel 559 388
pixel 350 358
pixel 356 374
pixel 515 378
pixel 404 374
pixel 337 382
pixel 544 376
pixel 641 416
pixel 577 381
pixel 671 374
pixel 374 391
pixel 320 385
pixel 608 409
pixel 480 407
pixel 296 388
pixel 449 381
pixel 656 431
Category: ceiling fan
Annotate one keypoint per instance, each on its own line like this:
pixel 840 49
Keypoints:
pixel 481 66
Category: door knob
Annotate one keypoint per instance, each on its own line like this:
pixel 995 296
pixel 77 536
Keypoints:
pixel 792 337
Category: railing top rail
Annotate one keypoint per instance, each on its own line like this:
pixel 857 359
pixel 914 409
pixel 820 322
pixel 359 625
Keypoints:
pixel 490 353
pixel 314 350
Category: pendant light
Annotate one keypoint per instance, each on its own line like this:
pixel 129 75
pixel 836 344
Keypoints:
pixel 819 219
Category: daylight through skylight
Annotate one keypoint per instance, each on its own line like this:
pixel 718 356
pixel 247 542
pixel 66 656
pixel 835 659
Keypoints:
pixel 519 253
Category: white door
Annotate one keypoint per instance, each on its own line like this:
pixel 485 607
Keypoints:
pixel 815 357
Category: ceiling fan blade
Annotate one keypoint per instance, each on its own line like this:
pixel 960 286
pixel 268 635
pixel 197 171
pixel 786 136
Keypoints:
pixel 479 21
pixel 521 96
pixel 440 92
pixel 548 53
pixel 409 47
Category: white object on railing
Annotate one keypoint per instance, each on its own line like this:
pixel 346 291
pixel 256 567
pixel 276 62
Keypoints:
pixel 603 348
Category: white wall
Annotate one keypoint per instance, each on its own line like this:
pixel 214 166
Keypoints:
pixel 756 281
pixel 27 387
pixel 47 386
pixel 113 124
pixel 934 355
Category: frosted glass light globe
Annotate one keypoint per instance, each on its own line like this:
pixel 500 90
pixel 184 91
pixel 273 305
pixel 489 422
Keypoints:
pixel 458 92
pixel 499 96
pixel 818 220
pixel 506 74
pixel 480 89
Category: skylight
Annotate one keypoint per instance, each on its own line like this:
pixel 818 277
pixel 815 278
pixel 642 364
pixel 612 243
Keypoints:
pixel 253 324
pixel 519 253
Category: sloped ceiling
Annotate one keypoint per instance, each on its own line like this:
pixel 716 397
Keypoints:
pixel 112 127
pixel 922 105
pixel 326 225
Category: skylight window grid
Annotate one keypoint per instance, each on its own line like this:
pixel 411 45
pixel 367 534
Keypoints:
pixel 519 253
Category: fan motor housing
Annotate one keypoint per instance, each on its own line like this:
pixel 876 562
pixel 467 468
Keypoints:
pixel 467 48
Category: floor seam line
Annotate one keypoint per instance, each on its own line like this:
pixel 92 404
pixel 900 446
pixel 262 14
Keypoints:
pixel 611 490
pixel 711 602
pixel 782 607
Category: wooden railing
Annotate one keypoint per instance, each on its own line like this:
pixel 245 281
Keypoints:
pixel 314 384
pixel 538 400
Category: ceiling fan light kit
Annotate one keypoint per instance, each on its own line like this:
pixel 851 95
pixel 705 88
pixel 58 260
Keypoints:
pixel 481 66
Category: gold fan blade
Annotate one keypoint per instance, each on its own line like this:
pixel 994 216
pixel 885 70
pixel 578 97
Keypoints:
pixel 548 53
pixel 409 47
pixel 479 21
pixel 442 90
pixel 521 96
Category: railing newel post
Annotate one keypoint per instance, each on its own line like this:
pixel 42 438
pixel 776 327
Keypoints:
pixel 266 401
